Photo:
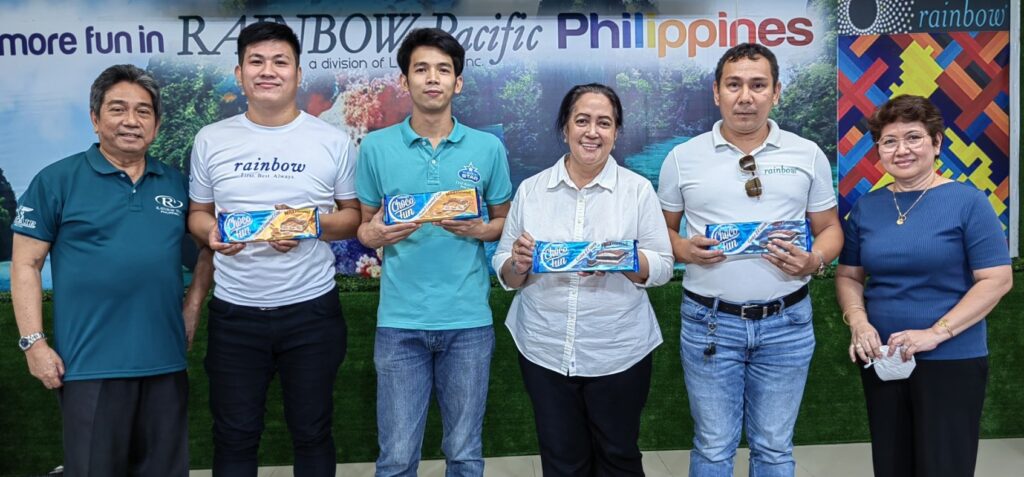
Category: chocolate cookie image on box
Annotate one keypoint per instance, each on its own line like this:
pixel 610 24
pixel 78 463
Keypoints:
pixel 607 257
pixel 293 225
pixel 454 205
pixel 784 235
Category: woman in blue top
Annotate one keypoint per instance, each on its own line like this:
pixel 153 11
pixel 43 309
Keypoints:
pixel 938 263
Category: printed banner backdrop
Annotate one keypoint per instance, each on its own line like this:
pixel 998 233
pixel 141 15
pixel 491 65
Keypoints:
pixel 964 74
pixel 958 55
pixel 521 59
pixel 522 56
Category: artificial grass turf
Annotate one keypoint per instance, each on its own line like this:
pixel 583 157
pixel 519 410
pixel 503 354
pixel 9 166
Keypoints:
pixel 832 409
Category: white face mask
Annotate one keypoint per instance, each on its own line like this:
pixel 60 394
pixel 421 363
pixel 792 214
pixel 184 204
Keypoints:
pixel 891 368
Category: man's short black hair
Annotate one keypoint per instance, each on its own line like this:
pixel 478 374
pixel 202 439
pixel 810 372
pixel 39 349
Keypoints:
pixel 750 51
pixel 266 31
pixel 436 38
pixel 113 75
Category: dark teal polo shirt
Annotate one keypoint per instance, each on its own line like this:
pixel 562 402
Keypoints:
pixel 433 280
pixel 115 253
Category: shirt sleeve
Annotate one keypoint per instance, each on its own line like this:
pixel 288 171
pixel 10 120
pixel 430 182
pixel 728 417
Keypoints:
pixel 850 255
pixel 39 210
pixel 653 239
pixel 984 239
pixel 345 184
pixel 186 178
pixel 822 195
pixel 200 188
pixel 512 230
pixel 669 193
pixel 368 187
pixel 499 185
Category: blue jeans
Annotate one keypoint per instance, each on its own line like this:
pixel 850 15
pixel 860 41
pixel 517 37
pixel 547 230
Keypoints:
pixel 755 379
pixel 410 363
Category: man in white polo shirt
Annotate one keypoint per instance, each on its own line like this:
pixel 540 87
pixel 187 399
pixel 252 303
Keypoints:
pixel 747 336
pixel 275 309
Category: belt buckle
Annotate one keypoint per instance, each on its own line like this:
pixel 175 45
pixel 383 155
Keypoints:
pixel 744 308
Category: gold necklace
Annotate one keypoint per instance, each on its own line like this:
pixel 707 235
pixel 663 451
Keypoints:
pixel 901 216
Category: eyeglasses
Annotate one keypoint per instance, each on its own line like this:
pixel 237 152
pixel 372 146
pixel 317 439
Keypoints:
pixel 890 144
pixel 753 185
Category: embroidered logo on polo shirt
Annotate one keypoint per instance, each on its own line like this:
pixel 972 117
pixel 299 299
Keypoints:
pixel 21 221
pixel 169 205
pixel 775 170
pixel 470 173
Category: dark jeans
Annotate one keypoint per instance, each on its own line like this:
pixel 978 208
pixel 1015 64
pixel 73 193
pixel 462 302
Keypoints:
pixel 126 426
pixel 588 426
pixel 928 424
pixel 305 344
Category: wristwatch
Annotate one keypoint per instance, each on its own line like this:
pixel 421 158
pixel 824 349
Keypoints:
pixel 26 342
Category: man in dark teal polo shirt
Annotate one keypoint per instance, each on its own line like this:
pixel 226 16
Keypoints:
pixel 112 220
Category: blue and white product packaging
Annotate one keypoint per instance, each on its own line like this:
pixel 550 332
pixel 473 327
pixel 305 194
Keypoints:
pixel 462 204
pixel 267 225
pixel 752 238
pixel 611 256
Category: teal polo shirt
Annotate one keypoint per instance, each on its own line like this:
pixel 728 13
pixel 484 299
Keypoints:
pixel 433 280
pixel 115 252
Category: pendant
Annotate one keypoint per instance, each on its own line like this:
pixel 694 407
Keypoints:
pixel 900 219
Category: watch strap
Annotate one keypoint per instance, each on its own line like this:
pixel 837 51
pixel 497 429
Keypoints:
pixel 26 342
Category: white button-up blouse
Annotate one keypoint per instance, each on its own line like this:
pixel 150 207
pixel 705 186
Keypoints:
pixel 594 325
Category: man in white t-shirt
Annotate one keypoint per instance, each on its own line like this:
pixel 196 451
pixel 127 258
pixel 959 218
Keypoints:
pixel 275 308
pixel 747 336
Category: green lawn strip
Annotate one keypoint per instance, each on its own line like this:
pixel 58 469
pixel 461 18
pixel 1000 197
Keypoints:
pixel 832 410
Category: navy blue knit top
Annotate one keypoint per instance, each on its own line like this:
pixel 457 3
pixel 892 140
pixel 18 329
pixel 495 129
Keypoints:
pixel 919 270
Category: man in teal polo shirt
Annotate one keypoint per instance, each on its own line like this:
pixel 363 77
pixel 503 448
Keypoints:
pixel 434 321
pixel 112 220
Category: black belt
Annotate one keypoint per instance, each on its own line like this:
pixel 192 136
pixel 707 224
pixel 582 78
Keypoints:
pixel 750 311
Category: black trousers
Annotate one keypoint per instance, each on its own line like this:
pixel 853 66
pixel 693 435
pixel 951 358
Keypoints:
pixel 126 426
pixel 305 344
pixel 588 426
pixel 927 425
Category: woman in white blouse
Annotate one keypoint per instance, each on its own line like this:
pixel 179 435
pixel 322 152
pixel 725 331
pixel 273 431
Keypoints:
pixel 585 339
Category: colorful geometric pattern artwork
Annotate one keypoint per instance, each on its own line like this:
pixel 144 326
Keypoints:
pixel 966 74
